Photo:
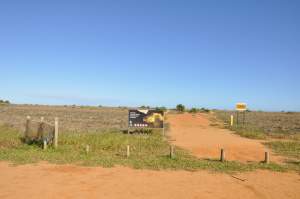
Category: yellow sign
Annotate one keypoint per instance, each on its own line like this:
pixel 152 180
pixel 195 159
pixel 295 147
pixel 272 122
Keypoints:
pixel 241 107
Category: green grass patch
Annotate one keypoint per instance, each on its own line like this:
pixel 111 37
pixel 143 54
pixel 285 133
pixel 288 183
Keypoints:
pixel 108 149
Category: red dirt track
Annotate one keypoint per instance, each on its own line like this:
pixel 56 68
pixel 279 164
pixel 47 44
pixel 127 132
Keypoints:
pixel 194 132
pixel 66 181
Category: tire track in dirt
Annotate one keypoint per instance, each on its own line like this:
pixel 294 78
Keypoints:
pixel 195 133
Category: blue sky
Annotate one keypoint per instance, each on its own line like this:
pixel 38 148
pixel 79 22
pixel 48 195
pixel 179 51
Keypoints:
pixel 160 53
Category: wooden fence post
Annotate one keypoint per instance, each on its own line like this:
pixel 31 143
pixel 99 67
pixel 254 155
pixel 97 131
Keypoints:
pixel 172 152
pixel 267 158
pixel 44 144
pixel 27 128
pixel 222 158
pixel 55 132
pixel 231 120
pixel 128 151
pixel 87 149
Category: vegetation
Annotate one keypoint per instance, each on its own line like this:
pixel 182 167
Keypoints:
pixel 193 110
pixel 4 102
pixel 287 148
pixel 108 149
pixel 162 108
pixel 260 125
pixel 196 110
pixel 180 108
pixel 145 107
pixel 73 118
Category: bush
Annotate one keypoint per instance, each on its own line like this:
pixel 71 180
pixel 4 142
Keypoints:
pixel 145 107
pixel 162 108
pixel 204 110
pixel 180 108
pixel 4 102
pixel 193 110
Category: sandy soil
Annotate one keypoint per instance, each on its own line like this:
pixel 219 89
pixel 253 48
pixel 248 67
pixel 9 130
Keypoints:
pixel 195 133
pixel 66 181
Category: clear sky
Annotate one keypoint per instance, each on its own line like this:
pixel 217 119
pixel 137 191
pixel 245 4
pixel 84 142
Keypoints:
pixel 160 53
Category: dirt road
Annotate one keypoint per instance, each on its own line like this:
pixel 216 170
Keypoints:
pixel 65 181
pixel 195 133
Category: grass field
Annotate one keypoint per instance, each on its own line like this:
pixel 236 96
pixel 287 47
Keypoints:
pixel 260 125
pixel 108 149
pixel 71 118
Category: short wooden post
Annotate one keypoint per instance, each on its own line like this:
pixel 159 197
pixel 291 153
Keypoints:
pixel 44 144
pixel 87 149
pixel 172 152
pixel 222 158
pixel 267 158
pixel 27 127
pixel 128 151
pixel 56 132
pixel 231 120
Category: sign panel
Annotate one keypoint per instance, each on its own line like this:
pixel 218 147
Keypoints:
pixel 241 107
pixel 146 119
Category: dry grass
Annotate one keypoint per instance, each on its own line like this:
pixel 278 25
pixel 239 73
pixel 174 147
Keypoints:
pixel 282 125
pixel 71 118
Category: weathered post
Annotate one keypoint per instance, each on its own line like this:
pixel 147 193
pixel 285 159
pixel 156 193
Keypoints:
pixel 27 128
pixel 41 129
pixel 231 120
pixel 56 132
pixel 267 158
pixel 222 158
pixel 172 152
pixel 44 144
pixel 87 149
pixel 128 151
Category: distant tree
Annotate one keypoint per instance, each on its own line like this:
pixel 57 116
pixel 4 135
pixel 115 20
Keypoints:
pixel 193 110
pixel 162 108
pixel 4 102
pixel 180 108
pixel 145 107
pixel 204 110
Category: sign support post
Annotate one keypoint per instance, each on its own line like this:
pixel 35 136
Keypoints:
pixel 241 107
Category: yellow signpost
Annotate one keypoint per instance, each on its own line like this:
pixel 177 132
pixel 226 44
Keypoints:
pixel 240 107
